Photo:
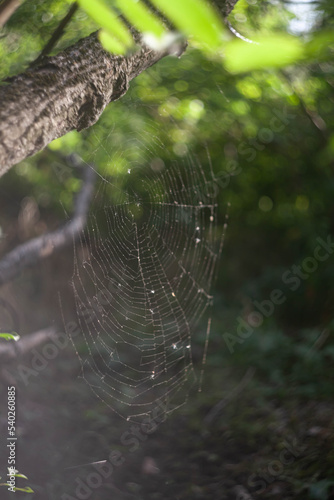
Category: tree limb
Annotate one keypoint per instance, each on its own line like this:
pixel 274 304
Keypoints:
pixel 33 251
pixel 11 350
pixel 7 9
pixel 67 92
pixel 57 34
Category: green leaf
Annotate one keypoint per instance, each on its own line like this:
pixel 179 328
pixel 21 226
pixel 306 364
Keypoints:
pixel 10 336
pixel 321 46
pixel 140 16
pixel 21 475
pixel 107 19
pixel 196 18
pixel 270 51
pixel 27 489
pixel 111 44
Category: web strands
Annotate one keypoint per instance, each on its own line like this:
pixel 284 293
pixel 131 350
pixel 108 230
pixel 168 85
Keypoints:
pixel 142 280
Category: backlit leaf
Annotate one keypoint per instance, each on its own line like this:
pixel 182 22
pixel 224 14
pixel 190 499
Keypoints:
pixel 194 17
pixel 270 51
pixel 140 16
pixel 107 19
pixel 111 44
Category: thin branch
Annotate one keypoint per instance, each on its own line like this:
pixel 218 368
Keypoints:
pixel 317 121
pixel 7 9
pixel 214 412
pixel 32 252
pixel 11 350
pixel 57 34
pixel 307 2
pixel 238 35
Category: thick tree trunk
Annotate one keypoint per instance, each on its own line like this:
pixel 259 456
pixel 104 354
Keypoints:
pixel 66 92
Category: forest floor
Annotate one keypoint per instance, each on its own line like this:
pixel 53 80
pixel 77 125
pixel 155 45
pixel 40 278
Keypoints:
pixel 250 433
pixel 223 444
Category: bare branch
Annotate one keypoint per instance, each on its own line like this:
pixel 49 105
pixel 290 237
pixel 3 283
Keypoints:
pixel 33 251
pixel 12 350
pixel 214 412
pixel 57 34
pixel 7 9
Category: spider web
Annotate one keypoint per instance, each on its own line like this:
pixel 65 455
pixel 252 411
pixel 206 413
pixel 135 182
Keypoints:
pixel 142 281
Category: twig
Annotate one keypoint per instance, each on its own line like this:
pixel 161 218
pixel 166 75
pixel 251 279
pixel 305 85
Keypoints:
pixel 32 252
pixel 295 2
pixel 317 121
pixel 57 34
pixel 11 350
pixel 235 391
pixel 238 35
pixel 7 9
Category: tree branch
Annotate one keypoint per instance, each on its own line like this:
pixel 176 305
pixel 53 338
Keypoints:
pixel 7 9
pixel 57 34
pixel 32 252
pixel 11 350
pixel 67 92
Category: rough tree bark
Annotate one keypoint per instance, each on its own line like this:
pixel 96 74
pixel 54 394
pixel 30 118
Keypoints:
pixel 67 92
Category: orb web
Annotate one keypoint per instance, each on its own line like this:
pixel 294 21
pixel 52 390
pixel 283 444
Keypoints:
pixel 142 280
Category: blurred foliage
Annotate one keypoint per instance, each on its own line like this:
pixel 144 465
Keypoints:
pixel 270 132
pixel 203 27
